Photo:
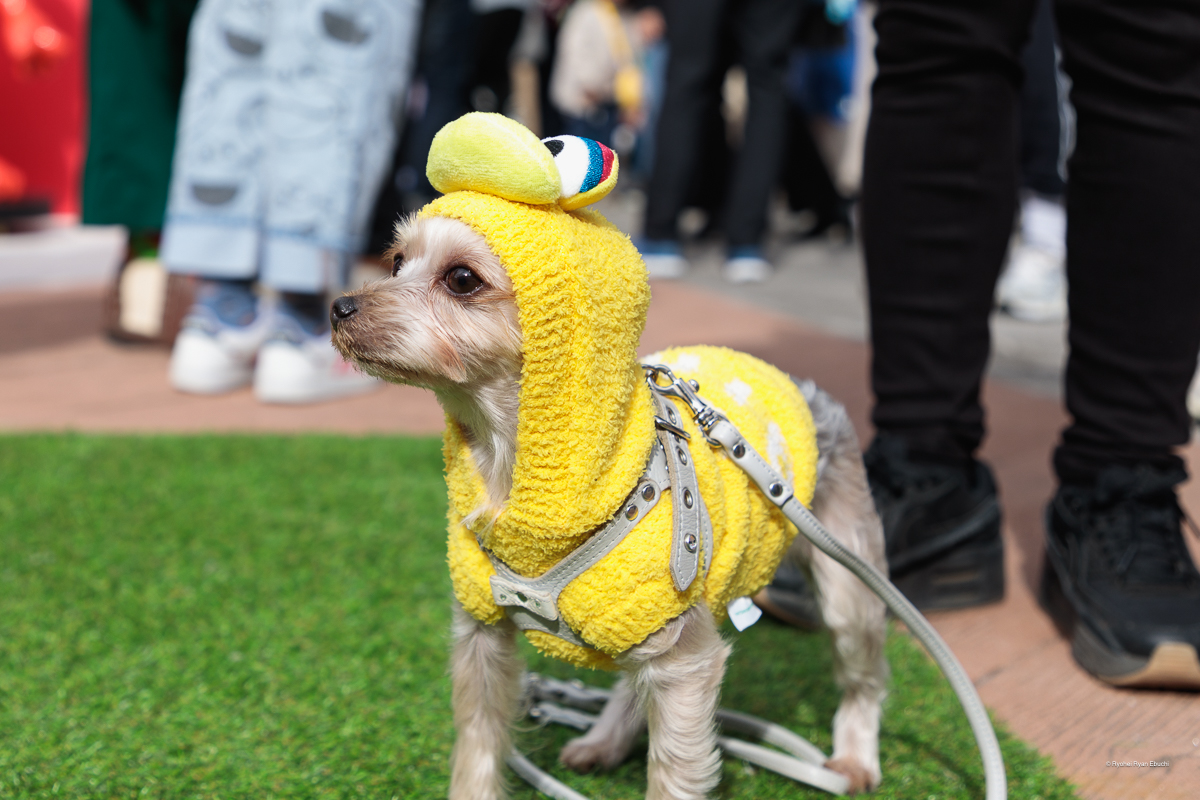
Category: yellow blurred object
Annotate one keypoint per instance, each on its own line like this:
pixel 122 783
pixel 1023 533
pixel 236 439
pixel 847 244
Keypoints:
pixel 628 89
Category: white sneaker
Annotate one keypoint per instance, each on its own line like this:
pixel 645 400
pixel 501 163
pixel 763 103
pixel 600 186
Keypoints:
pixel 210 357
pixel 666 266
pixel 306 369
pixel 1034 286
pixel 746 269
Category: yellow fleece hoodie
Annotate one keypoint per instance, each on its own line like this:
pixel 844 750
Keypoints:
pixel 585 425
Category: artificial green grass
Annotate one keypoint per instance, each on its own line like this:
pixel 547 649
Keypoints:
pixel 266 617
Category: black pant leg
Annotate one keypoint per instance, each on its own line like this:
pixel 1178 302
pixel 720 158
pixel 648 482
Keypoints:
pixel 803 171
pixel 444 60
pixel 938 199
pixel 694 37
pixel 1133 234
pixel 764 31
pixel 1041 108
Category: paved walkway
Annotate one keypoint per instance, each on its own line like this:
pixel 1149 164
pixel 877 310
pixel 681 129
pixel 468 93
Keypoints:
pixel 56 373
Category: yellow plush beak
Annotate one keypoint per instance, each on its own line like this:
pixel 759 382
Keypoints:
pixel 492 154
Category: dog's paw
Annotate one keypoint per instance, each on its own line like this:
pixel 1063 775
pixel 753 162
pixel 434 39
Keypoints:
pixel 584 755
pixel 860 777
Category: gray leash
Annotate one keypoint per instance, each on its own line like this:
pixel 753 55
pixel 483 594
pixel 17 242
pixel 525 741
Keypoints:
pixel 720 432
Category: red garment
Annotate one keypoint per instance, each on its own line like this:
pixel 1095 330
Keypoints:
pixel 42 70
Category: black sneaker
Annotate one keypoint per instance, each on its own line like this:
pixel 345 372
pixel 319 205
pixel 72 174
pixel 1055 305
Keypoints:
pixel 942 527
pixel 1119 581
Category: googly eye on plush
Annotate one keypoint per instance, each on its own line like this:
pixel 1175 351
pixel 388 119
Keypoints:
pixel 586 168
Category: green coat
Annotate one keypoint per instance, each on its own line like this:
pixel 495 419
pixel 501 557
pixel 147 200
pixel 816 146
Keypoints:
pixel 136 64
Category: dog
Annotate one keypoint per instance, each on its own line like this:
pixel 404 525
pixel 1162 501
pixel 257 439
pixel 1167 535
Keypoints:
pixel 454 318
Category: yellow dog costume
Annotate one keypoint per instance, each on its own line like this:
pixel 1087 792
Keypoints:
pixel 586 421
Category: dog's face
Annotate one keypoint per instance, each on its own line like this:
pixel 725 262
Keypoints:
pixel 447 316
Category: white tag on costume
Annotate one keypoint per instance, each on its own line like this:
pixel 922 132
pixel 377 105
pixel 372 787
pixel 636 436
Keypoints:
pixel 743 613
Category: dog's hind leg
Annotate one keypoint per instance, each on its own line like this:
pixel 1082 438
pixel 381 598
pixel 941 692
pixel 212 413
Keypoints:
pixel 486 675
pixel 609 741
pixel 676 674
pixel 854 615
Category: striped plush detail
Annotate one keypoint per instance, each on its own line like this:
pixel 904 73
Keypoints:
pixel 588 169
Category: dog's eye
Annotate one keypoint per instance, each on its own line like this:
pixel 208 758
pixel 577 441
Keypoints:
pixel 461 280
pixel 397 263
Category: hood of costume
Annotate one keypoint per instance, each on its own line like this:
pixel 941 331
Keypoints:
pixel 586 422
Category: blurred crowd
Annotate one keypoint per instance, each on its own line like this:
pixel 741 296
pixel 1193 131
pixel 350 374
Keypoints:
pixel 256 164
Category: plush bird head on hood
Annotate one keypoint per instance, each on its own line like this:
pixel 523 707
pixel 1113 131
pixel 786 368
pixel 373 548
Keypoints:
pixel 585 424
pixel 494 155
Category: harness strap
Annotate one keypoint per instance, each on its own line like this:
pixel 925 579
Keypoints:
pixel 691 524
pixel 532 603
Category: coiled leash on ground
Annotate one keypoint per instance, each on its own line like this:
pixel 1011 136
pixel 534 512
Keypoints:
pixel 568 703
pixel 807 765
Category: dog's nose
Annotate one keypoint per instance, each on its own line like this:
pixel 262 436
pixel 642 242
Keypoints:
pixel 343 308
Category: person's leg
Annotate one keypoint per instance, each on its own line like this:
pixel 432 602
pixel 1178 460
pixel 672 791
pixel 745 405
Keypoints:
pixel 764 30
pixel 692 89
pixel 1041 108
pixel 135 76
pixel 1118 574
pixel 335 83
pixel 444 62
pixel 939 190
pixel 1034 284
pixel 336 79
pixel 1132 241
pixel 806 178
pixel 491 83
pixel 214 206
pixel 818 85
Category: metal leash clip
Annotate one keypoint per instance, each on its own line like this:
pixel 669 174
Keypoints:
pixel 705 415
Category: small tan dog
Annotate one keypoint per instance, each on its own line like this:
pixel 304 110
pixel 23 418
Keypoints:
pixel 449 319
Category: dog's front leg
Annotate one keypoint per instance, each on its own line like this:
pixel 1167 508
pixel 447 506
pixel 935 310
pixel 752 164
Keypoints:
pixel 677 674
pixel 486 674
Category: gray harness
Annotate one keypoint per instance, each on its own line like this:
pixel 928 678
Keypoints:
pixel 532 603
